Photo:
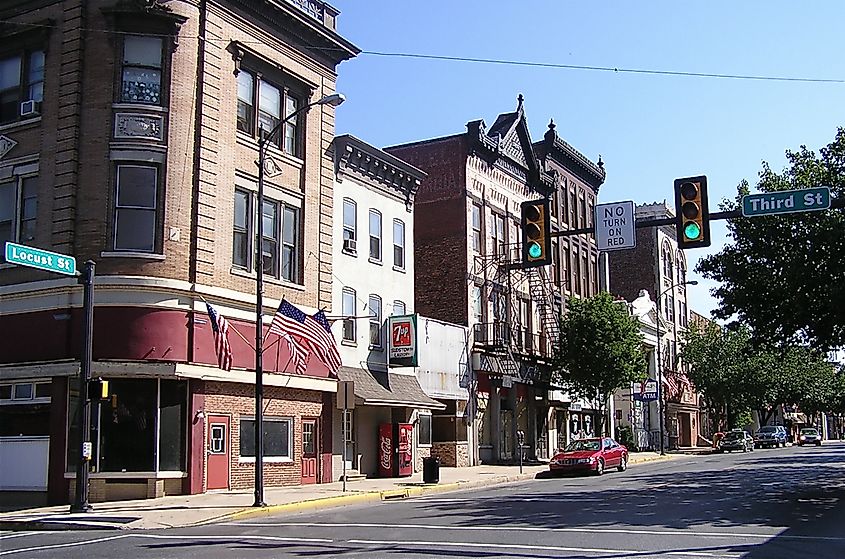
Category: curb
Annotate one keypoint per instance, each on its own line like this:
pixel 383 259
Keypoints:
pixel 358 498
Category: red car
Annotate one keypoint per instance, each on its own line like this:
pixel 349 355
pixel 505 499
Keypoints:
pixel 590 455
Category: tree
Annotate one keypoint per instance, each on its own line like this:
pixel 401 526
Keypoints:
pixel 600 350
pixel 784 275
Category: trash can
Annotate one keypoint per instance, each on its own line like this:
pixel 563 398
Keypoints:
pixel 431 470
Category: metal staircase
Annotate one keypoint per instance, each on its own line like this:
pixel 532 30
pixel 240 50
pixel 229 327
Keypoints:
pixel 538 283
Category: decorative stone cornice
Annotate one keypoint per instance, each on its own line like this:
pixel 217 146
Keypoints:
pixel 378 169
pixel 558 149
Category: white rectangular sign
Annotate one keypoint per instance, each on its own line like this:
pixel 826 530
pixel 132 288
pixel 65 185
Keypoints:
pixel 615 226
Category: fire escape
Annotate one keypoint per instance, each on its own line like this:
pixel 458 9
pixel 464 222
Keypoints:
pixel 509 348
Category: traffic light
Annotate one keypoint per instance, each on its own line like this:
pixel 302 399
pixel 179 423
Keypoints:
pixel 693 225
pixel 98 389
pixel 536 243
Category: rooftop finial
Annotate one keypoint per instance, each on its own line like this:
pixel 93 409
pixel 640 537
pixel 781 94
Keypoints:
pixel 601 163
pixel 519 100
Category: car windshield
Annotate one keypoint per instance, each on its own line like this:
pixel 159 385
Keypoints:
pixel 577 446
pixel 809 432
pixel 769 429
pixel 735 435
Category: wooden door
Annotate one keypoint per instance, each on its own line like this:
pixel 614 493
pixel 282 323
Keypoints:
pixel 218 452
pixel 309 451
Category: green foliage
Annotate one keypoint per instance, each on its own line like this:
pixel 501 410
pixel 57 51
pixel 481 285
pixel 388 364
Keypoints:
pixel 601 350
pixel 625 436
pixel 784 275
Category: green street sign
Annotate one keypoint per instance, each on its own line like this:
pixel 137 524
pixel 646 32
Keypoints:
pixel 786 201
pixel 41 259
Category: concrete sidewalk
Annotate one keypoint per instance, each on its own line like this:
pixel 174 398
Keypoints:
pixel 207 508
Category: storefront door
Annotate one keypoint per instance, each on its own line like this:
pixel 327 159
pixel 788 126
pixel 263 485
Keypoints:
pixel 218 452
pixel 309 451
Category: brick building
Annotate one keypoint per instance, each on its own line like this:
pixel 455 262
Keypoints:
pixel 467 237
pixel 658 266
pixel 128 136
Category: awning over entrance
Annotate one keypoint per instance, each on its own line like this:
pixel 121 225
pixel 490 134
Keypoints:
pixel 383 388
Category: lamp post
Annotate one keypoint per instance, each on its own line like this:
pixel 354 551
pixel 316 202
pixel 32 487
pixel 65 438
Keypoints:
pixel 334 100
pixel 661 407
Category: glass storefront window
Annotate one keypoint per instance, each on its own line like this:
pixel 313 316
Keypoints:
pixel 173 414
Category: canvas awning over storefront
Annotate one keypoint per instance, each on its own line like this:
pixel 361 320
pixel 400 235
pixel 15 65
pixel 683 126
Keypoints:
pixel 385 388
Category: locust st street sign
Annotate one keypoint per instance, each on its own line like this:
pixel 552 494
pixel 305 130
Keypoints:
pixel 786 201
pixel 41 259
pixel 615 226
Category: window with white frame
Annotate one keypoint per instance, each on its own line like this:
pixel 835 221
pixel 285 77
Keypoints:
pixel 142 69
pixel 278 438
pixel 398 244
pixel 374 305
pixel 668 265
pixel 477 304
pixel 18 209
pixel 348 305
pixel 136 208
pixel 25 392
pixel 271 100
pixel 497 231
pixel 21 80
pixel 350 225
pixel 375 235
pixel 477 237
pixel 281 243
pixel 399 308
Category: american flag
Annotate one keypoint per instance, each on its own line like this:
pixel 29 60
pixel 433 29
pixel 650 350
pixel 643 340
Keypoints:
pixel 298 353
pixel 313 332
pixel 220 327
pixel 671 383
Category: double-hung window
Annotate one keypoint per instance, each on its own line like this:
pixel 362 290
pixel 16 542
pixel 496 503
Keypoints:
pixel 398 244
pixel 281 239
pixel 477 238
pixel 262 104
pixel 350 225
pixel 374 304
pixel 375 235
pixel 349 312
pixel 498 233
pixel 399 308
pixel 142 69
pixel 136 208
pixel 18 208
pixel 21 80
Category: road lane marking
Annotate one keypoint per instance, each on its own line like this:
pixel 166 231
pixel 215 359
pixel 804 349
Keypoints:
pixel 628 531
pixel 614 551
pixel 61 545
pixel 232 537
pixel 10 535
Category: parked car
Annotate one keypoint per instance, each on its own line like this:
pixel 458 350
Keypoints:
pixel 737 439
pixel 809 435
pixel 772 436
pixel 590 455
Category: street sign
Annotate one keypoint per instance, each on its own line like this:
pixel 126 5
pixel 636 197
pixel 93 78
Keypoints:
pixel 648 394
pixel 41 259
pixel 615 226
pixel 786 201
pixel 345 395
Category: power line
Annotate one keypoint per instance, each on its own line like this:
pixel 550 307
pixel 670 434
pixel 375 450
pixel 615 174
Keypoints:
pixel 497 61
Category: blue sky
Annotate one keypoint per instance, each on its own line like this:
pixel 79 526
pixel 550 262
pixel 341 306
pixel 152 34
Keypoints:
pixel 648 129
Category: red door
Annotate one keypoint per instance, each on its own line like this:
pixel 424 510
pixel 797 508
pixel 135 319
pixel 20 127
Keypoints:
pixel 309 451
pixel 218 452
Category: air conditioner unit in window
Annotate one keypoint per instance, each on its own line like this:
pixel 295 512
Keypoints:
pixel 30 108
pixel 349 245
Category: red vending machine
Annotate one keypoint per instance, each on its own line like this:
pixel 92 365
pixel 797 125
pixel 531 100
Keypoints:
pixel 395 451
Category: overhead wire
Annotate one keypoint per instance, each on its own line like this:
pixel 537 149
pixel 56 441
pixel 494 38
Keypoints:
pixel 497 61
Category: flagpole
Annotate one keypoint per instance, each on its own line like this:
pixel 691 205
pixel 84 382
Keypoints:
pixel 232 326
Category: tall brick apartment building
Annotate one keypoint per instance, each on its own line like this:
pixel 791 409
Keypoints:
pixel 128 136
pixel 467 234
pixel 660 267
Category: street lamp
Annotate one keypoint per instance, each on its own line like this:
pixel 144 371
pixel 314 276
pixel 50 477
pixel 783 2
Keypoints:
pixel 661 408
pixel 333 100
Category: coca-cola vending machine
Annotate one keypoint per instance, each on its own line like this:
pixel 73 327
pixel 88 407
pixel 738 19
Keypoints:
pixel 395 455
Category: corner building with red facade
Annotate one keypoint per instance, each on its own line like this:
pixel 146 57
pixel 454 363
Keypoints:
pixel 128 136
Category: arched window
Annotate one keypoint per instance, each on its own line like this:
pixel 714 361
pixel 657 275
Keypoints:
pixel 668 263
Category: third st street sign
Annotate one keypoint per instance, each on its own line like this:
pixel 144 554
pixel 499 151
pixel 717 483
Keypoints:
pixel 786 201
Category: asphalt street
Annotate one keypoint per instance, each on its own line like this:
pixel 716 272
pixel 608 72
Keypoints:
pixel 769 504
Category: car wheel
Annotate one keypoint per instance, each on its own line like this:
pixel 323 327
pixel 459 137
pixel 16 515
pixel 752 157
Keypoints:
pixel 600 467
pixel 623 465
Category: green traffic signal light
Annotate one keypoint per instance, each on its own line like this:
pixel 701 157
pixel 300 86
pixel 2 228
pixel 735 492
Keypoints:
pixel 535 250
pixel 692 231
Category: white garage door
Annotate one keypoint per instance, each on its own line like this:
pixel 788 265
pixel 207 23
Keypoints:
pixel 23 463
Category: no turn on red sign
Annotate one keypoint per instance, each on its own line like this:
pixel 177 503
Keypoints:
pixel 615 226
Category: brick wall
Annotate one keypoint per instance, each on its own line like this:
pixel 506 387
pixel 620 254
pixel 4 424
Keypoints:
pixel 237 400
pixel 633 270
pixel 422 452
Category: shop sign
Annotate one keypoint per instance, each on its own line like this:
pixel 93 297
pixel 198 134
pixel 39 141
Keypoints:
pixel 402 350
